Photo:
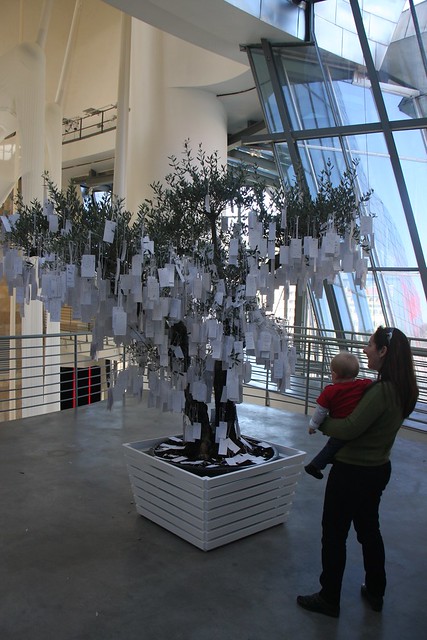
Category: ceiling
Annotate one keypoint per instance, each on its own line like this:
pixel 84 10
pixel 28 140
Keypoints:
pixel 220 27
pixel 217 25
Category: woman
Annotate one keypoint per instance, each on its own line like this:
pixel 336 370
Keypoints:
pixel 361 471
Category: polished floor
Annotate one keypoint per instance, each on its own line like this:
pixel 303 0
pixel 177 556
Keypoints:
pixel 78 563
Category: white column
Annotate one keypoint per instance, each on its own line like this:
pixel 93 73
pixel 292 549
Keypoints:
pixel 162 117
pixel 54 114
pixel 31 115
pixel 32 358
pixel 120 159
pixel 54 110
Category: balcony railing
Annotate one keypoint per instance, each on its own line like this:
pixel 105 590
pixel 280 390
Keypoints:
pixel 94 122
pixel 44 373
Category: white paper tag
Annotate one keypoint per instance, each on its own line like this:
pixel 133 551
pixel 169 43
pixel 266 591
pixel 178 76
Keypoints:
pixel 365 225
pixel 88 266
pixel 221 431
pixel 109 231
pixel 153 288
pixel 53 223
pixel 137 265
pixel 119 318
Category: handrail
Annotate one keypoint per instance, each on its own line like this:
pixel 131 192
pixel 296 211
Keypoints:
pixel 94 122
pixel 40 373
pixel 34 370
pixel 314 353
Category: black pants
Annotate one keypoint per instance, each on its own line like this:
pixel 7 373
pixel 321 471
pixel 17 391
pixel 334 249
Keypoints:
pixel 353 494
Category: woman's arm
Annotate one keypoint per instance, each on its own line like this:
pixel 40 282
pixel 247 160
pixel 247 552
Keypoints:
pixel 370 407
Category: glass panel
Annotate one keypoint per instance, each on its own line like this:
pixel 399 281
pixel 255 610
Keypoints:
pixel 306 93
pixel 343 309
pixel 407 302
pixel 357 309
pixel 304 89
pixel 403 63
pixel 361 308
pixel 374 302
pixel 393 245
pixel 284 163
pixel 315 154
pixel 268 99
pixel 260 156
pixel 411 147
pixel 355 101
pixel 322 312
pixel 346 98
pixel 403 104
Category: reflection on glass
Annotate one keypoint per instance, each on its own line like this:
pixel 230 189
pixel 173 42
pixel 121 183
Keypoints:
pixel 393 244
pixel 411 147
pixel 268 99
pixel 259 156
pixel 403 64
pixel 284 163
pixel 355 100
pixel 354 302
pixel 320 314
pixel 328 89
pixel 303 87
pixel 403 104
pixel 316 155
pixel 407 302
pixel 308 97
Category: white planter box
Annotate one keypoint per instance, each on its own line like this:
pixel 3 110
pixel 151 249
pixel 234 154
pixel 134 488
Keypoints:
pixel 210 512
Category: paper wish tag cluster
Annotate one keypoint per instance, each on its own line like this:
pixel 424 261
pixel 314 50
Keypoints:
pixel 186 328
pixel 310 260
pixel 182 318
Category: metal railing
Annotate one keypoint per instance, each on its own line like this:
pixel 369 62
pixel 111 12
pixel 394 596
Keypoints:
pixel 44 373
pixel 315 351
pixel 94 122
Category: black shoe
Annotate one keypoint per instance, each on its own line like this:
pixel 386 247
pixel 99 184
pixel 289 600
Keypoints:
pixel 316 603
pixel 376 602
pixel 311 469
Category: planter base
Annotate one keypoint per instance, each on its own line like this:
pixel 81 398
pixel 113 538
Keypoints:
pixel 210 512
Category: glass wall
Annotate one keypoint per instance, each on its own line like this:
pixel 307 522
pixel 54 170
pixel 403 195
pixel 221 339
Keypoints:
pixel 365 103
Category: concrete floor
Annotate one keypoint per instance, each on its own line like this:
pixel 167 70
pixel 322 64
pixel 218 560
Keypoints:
pixel 78 563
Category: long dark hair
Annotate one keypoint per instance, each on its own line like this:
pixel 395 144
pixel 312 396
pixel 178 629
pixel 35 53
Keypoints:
pixel 398 366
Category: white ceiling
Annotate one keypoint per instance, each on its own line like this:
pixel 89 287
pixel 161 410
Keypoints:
pixel 221 28
pixel 214 25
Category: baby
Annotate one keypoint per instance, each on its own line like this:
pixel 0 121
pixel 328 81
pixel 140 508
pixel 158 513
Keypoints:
pixel 337 400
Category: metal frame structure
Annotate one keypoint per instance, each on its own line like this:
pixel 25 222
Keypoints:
pixel 291 137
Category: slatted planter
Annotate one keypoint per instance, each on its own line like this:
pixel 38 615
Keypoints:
pixel 210 512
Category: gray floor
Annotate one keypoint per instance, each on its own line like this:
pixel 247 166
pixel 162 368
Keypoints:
pixel 78 563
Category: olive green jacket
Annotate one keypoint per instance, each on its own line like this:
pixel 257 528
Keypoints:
pixel 370 430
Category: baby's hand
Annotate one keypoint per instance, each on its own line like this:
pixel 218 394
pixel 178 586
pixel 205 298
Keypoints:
pixel 311 430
